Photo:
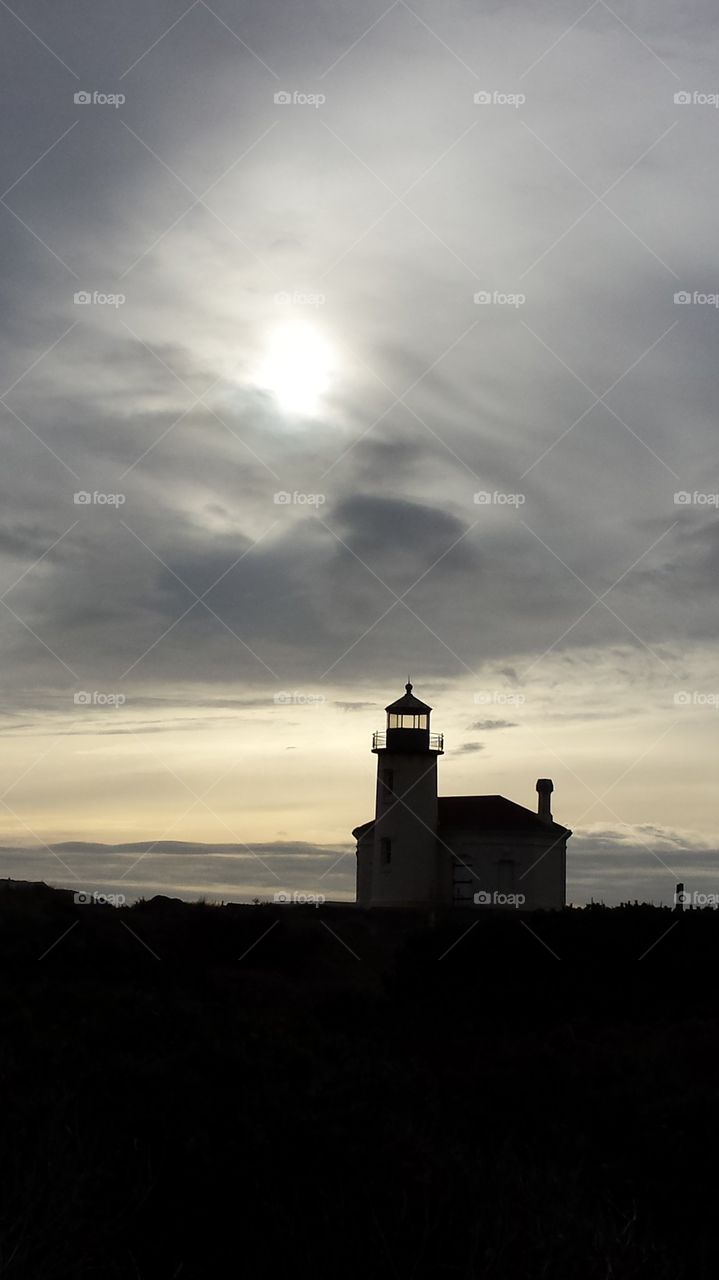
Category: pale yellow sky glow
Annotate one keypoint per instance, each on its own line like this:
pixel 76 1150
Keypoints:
pixel 299 769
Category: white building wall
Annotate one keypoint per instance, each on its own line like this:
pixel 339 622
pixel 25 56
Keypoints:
pixel 534 867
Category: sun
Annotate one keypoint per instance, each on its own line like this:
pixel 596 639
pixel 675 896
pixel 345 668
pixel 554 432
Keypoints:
pixel 297 367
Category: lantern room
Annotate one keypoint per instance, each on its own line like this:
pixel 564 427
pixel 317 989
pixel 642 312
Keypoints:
pixel 408 727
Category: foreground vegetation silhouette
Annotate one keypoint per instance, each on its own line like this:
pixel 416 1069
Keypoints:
pixel 195 1090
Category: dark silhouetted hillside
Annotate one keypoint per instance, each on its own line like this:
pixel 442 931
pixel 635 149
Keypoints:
pixel 205 1091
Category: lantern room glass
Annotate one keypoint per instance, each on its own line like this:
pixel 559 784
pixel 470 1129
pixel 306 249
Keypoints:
pixel 407 720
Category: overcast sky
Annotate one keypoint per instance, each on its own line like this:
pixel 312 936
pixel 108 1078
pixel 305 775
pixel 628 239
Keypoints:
pixel 372 261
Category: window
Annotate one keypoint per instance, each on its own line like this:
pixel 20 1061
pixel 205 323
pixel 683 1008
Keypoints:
pixel 385 851
pixel 407 721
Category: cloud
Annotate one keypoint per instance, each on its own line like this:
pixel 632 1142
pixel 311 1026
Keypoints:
pixel 592 401
pixel 644 862
pixel 218 871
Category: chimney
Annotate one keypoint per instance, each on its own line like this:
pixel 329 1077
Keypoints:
pixel 545 787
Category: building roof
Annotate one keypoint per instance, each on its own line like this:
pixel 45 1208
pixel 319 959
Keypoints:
pixel 488 814
pixel 491 813
pixel 357 832
pixel 408 704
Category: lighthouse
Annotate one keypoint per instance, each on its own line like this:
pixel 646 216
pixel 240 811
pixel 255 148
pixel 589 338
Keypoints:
pixel 477 851
pixel 403 868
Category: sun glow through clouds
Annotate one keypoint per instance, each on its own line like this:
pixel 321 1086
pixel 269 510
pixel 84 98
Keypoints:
pixel 297 367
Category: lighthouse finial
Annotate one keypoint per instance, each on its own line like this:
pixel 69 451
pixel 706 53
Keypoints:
pixel 408 686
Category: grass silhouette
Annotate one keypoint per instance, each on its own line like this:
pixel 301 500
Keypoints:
pixel 198 1090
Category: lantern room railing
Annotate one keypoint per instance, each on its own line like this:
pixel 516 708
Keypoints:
pixel 379 740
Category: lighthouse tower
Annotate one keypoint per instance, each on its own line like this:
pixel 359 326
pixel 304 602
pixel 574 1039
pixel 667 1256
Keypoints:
pixel 478 851
pixel 404 866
